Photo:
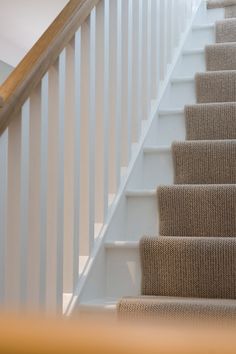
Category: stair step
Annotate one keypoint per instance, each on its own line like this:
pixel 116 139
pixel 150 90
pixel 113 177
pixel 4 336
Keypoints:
pixel 201 35
pixel 205 162
pixel 176 308
pixel 181 92
pixel 169 125
pixel 141 214
pixel 221 57
pixel 168 112
pixel 141 193
pixel 197 210
pixel 216 86
pixel 105 305
pixel 212 121
pixel 190 62
pixel 121 244
pixel 197 267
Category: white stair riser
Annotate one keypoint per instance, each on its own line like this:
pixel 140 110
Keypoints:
pixel 157 169
pixel 179 94
pixel 210 16
pixel 141 217
pixel 166 128
pixel 190 63
pixel 123 272
pixel 200 37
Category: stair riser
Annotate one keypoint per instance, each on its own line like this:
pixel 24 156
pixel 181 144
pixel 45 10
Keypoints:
pixel 157 169
pixel 190 63
pixel 142 217
pixel 211 16
pixel 198 38
pixel 123 272
pixel 166 129
pixel 179 94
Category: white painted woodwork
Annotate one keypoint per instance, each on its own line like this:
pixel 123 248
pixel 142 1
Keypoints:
pixel 80 164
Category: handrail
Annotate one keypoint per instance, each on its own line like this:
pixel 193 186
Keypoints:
pixel 27 75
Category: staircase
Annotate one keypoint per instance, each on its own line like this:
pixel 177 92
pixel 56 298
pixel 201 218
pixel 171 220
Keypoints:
pixel 95 170
pixel 190 268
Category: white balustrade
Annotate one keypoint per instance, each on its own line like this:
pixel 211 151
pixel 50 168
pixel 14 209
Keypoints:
pixel 61 157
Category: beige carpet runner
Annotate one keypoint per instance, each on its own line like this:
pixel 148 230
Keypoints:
pixel 189 271
pixel 205 162
pixel 229 5
pixel 210 121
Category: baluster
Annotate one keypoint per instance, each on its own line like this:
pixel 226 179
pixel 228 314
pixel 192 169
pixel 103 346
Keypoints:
pixel 130 79
pixel 13 213
pixel 149 56
pixel 61 179
pixel 118 92
pixel 92 127
pixel 48 244
pixel 100 123
pixel 135 72
pixel 30 200
pixel 69 165
pixel 3 211
pixel 157 35
pixel 169 31
pixel 43 198
pixel 107 142
pixel 77 154
pixel 140 67
pixel 145 60
pixel 24 204
pixel 162 39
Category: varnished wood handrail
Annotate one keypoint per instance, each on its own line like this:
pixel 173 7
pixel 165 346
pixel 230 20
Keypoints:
pixel 27 75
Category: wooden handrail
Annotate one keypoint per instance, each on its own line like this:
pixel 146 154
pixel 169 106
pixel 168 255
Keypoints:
pixel 27 75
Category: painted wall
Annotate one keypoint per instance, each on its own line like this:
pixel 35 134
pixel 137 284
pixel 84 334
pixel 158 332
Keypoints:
pixel 5 70
pixel 22 22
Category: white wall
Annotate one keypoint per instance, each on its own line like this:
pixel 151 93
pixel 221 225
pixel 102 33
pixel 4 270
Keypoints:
pixel 22 22
pixel 5 70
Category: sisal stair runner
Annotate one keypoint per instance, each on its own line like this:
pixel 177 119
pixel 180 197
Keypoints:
pixel 210 121
pixel 229 5
pixel 189 271
pixel 221 56
pixel 205 162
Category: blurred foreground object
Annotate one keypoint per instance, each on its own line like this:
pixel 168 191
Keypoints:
pixel 37 335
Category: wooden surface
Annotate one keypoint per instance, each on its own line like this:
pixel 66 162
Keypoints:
pixel 44 336
pixel 27 75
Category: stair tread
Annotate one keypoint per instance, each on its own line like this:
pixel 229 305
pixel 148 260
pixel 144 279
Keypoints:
pixel 110 304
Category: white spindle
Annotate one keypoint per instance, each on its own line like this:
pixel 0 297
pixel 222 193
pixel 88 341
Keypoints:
pixel 13 213
pixel 3 211
pixel 106 103
pixel 77 153
pixel 158 44
pixel 118 92
pixel 92 126
pixel 140 67
pixel 149 55
pixel 24 202
pixel 48 270
pixel 60 197
pixel 69 165
pixel 130 78
pixel 43 192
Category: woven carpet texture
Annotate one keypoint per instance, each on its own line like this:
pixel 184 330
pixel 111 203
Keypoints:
pixel 190 268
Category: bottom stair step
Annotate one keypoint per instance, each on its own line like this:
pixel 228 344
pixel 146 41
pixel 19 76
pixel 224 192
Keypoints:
pixel 176 308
